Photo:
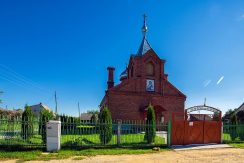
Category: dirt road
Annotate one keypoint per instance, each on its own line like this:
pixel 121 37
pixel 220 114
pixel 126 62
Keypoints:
pixel 226 155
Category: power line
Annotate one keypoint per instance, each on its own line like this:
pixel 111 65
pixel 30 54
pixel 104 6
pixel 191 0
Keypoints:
pixel 18 79
pixel 22 78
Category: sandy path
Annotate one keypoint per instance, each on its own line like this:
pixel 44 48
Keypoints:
pixel 226 155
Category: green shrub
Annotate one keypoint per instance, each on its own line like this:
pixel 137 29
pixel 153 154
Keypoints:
pixel 45 116
pixel 150 125
pixel 27 123
pixel 105 126
pixel 233 128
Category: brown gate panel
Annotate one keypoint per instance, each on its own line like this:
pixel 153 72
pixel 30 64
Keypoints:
pixel 178 128
pixel 204 129
pixel 193 132
pixel 212 132
pixel 177 133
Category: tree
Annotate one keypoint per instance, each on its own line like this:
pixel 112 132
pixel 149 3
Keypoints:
pixel 94 118
pixel 93 111
pixel 216 116
pixel 105 126
pixel 233 127
pixel 150 125
pixel 45 116
pixel 27 123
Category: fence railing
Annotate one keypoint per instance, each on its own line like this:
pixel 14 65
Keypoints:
pixel 233 133
pixel 131 133
pixel 16 131
pixel 32 132
pixel 20 132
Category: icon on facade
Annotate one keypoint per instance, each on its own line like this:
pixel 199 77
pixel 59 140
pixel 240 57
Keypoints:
pixel 150 85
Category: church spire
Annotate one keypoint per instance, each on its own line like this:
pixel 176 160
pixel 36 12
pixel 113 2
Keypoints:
pixel 145 46
pixel 144 27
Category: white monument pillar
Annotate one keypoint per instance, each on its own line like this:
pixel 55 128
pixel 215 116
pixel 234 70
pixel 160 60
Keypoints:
pixel 53 135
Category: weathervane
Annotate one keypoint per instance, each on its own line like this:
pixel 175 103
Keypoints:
pixel 144 27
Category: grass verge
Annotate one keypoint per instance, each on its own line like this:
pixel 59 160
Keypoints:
pixel 237 145
pixel 22 156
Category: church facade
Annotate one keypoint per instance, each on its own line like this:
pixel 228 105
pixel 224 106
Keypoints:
pixel 143 82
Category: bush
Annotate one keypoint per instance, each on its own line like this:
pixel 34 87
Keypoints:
pixel 150 125
pixel 233 129
pixel 105 126
pixel 45 116
pixel 27 123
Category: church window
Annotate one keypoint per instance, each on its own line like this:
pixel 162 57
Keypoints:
pixel 150 69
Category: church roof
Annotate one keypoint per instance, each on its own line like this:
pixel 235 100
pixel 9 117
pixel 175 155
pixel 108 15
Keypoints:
pixel 124 73
pixel 144 47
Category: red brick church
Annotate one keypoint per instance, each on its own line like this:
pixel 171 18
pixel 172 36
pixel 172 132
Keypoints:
pixel 143 82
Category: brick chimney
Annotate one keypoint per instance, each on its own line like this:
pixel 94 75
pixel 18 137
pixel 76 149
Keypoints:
pixel 110 82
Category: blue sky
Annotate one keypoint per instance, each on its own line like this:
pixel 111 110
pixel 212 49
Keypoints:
pixel 67 45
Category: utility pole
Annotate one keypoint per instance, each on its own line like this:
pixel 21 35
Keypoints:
pixel 56 105
pixel 79 109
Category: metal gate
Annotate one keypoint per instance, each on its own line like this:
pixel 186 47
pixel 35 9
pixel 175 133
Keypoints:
pixel 196 128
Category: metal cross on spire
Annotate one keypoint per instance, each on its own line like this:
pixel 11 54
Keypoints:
pixel 144 27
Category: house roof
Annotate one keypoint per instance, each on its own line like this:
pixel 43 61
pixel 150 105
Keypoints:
pixel 85 116
pixel 241 108
pixel 40 105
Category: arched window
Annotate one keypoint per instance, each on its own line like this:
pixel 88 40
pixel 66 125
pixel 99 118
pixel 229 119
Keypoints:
pixel 150 69
pixel 132 71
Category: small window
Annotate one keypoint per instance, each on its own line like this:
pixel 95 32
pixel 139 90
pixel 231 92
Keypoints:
pixel 150 69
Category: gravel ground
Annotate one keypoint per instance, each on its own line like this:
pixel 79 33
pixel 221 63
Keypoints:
pixel 224 155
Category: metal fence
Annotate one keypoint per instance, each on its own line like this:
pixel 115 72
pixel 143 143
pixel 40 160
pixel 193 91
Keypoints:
pixel 233 133
pixel 127 133
pixel 19 132
pixel 16 131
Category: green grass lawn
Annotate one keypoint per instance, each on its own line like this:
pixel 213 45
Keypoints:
pixel 64 154
pixel 83 140
pixel 127 139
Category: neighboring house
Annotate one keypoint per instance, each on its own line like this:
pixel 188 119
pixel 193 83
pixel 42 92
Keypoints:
pixel 240 113
pixel 7 112
pixel 241 108
pixel 36 109
pixel 85 116
pixel 143 82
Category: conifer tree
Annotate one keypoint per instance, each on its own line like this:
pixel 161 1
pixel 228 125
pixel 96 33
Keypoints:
pixel 150 125
pixel 27 123
pixel 105 126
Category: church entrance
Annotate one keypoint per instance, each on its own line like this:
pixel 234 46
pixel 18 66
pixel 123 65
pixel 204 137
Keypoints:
pixel 159 114
pixel 196 128
pixel 159 111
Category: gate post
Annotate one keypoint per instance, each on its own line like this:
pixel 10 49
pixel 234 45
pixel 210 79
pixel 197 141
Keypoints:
pixel 53 135
pixel 118 132
pixel 169 133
